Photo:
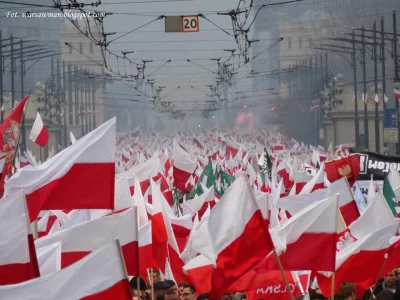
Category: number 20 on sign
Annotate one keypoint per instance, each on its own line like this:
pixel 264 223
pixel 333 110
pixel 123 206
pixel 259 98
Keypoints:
pixel 190 24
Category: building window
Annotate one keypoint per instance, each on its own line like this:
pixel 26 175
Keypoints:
pixel 310 42
pixel 300 43
pixel 70 48
pixel 91 47
pixel 290 43
pixel 80 47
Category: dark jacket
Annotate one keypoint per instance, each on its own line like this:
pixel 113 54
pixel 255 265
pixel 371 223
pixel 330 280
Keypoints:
pixel 381 286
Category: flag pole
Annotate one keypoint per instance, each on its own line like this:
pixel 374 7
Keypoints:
pixel 137 252
pixel 333 286
pixel 378 277
pixel 152 283
pixel 285 279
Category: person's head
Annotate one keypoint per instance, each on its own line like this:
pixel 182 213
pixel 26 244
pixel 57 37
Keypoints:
pixel 313 296
pixel 317 296
pixel 398 272
pixel 160 287
pixel 385 295
pixel 189 292
pixel 171 295
pixel 172 286
pixel 347 291
pixel 156 276
pixel 141 291
pixel 203 297
pixel 390 280
pixel 181 286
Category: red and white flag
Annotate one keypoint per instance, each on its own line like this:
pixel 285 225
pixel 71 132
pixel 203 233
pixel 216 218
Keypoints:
pixel 230 234
pixel 79 177
pixel 350 262
pixel 397 94
pixel 101 275
pixel 79 241
pixel 18 260
pixel 183 166
pixel 49 259
pixel 310 233
pixel 39 134
pixel 377 100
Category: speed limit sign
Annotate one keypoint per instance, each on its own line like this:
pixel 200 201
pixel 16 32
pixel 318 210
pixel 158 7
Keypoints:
pixel 190 24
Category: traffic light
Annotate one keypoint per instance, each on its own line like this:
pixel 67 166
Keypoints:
pixel 244 105
pixel 272 107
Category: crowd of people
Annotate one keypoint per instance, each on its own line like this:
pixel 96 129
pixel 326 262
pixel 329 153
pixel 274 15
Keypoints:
pixel 388 288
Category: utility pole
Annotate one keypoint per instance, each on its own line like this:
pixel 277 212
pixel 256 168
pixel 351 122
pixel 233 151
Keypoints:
pixel 375 54
pixel 396 76
pixel 12 72
pixel 1 78
pixel 70 117
pixel 383 58
pixel 94 102
pixel 356 120
pixel 52 72
pixel 65 105
pixel 21 57
pixel 76 88
pixel 309 99
pixel 364 63
pixel 81 107
pixel 86 105
pixel 59 97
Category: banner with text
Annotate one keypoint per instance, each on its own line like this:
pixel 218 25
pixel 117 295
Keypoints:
pixel 372 163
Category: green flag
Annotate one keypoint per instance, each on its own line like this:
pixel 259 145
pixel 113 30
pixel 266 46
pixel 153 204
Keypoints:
pixel 390 196
pixel 207 178
pixel 226 181
pixel 265 165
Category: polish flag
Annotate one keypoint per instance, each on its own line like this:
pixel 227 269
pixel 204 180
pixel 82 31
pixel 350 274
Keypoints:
pixel 143 171
pixel 39 134
pixel 161 204
pixel 397 94
pixel 232 148
pixel 181 228
pixel 310 233
pixel 2 164
pixel 145 250
pixel 101 275
pixel 46 223
pixel 347 204
pixel 377 100
pixel 79 177
pixel 188 252
pixel 348 207
pixel 18 260
pixel 122 199
pixel 350 262
pixel 79 241
pixel 375 216
pixel 183 166
pixel 49 259
pixel 317 182
pixel 200 270
pixel 230 235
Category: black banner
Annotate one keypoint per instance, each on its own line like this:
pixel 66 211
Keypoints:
pixel 372 163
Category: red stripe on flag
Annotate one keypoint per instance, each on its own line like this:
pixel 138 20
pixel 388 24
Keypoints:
pixel 85 186
pixel 121 290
